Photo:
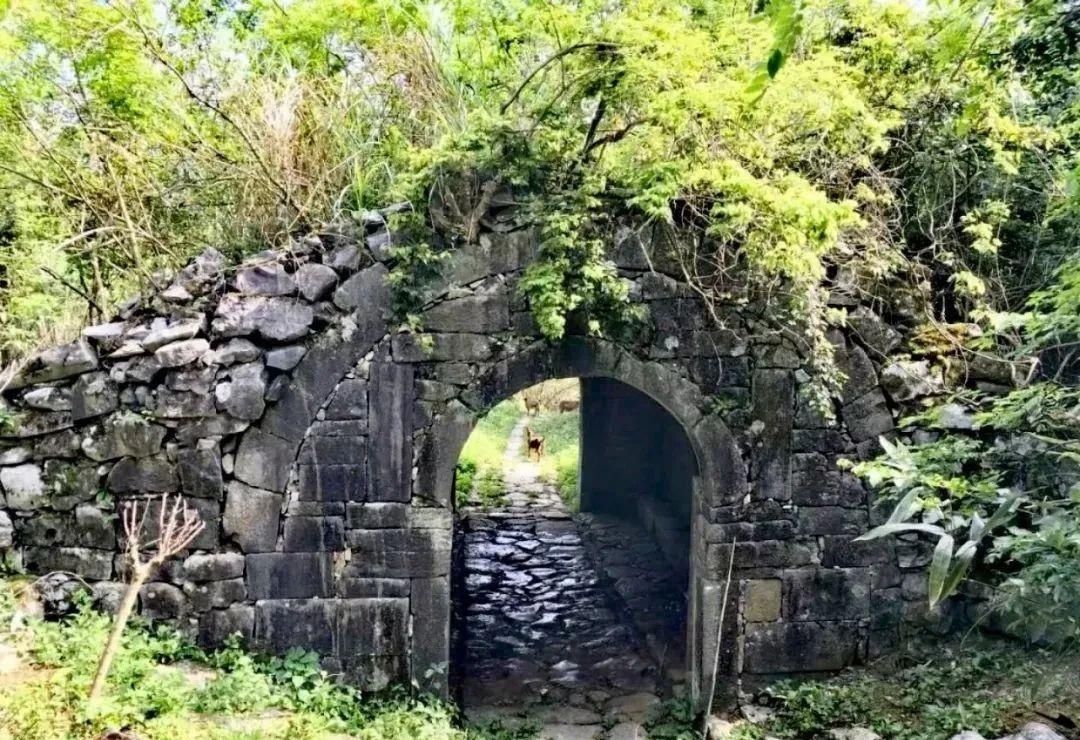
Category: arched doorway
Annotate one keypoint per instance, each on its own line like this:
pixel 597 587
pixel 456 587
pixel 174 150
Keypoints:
pixel 572 552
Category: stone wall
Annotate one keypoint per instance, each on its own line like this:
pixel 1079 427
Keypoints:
pixel 318 443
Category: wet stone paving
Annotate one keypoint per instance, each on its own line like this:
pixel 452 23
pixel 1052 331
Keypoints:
pixel 573 621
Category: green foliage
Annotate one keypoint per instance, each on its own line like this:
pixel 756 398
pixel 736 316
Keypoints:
pixel 979 686
pixel 478 478
pixel 1013 480
pixel 675 719
pixel 148 691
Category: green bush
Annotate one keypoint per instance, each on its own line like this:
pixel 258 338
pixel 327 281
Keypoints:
pixel 159 703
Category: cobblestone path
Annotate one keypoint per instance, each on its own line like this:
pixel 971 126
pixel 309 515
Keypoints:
pixel 544 624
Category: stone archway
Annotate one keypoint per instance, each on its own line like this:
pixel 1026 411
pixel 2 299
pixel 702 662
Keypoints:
pixel 317 441
pixel 714 449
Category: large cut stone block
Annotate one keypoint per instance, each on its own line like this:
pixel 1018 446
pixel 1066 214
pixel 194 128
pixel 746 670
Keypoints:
pixel 200 471
pixel 332 482
pixel 391 432
pixel 333 450
pixel 289 575
pixel 430 649
pixel 832 520
pixel 399 553
pixel 314 534
pixel 209 512
pixel 761 600
pixel 774 407
pixel 217 626
pixel 480 314
pixel 350 401
pixel 798 647
pixel 143 475
pixel 281 625
pixel 264 460
pixel 827 594
pixel 96 565
pixel 441 446
pixel 372 627
pixel 251 517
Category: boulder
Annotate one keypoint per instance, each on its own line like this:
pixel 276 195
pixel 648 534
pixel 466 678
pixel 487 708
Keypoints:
pixel 315 281
pixel 203 274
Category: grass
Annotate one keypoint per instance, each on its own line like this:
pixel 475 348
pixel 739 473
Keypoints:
pixel 562 439
pixel 479 469
pixel 247 696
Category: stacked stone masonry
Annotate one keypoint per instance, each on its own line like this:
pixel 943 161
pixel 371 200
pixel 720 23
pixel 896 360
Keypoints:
pixel 318 443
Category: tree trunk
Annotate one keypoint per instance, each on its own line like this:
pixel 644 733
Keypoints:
pixel 138 578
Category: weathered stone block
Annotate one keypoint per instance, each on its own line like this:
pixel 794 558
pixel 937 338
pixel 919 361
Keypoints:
pixel 161 601
pixel 217 626
pixel 439 451
pixel 376 516
pixel 373 627
pixel 391 433
pixel 827 594
pixel 56 363
pixel 314 534
pixel 243 395
pixel 93 528
pixel 251 517
pixel 774 403
pixel 868 417
pixel 93 394
pixel 399 553
pixel 143 475
pixel 480 314
pixel 442 347
pixel 215 594
pixel 294 575
pixel 123 435
pixel 761 600
pixel 767 554
pixel 315 281
pixel 799 647
pixel 350 401
pixel 209 512
pixel 49 398
pixel 832 520
pixel 281 625
pixel 373 587
pixel 332 482
pixel 264 460
pixel 366 291
pixel 265 279
pixel 827 488
pixel 322 451
pixel 200 471
pixel 23 487
pixel 844 551
pixel 275 318
pixel 218 567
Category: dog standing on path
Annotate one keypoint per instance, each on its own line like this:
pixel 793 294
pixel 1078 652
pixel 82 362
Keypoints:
pixel 534 444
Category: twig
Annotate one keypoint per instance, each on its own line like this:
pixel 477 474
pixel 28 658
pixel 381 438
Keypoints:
pixel 719 634
pixel 598 45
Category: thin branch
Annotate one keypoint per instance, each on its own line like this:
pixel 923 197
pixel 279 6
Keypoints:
pixel 82 293
pixel 597 45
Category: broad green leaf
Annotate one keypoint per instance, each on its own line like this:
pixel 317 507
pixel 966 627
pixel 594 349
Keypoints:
pixel 899 528
pixel 939 568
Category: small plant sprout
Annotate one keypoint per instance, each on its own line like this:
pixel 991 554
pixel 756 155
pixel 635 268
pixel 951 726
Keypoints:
pixel 178 526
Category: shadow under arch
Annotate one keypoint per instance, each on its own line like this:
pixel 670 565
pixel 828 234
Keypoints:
pixel 720 477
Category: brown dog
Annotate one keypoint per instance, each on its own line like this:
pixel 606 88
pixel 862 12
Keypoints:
pixel 565 406
pixel 535 444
